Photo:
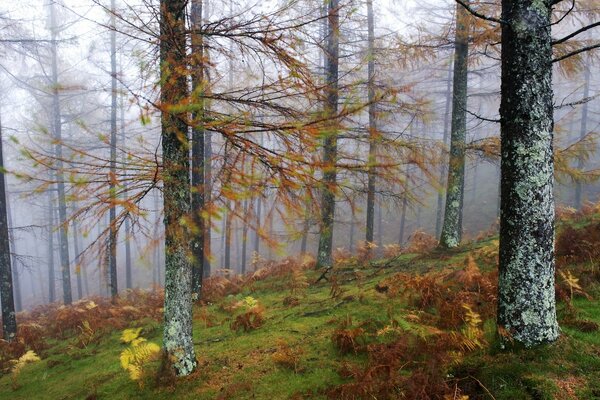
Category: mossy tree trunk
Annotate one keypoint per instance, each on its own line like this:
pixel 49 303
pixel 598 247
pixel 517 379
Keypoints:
pixel 177 336
pixel 372 125
pixel 526 302
pixel 452 227
pixel 9 321
pixel 198 87
pixel 324 258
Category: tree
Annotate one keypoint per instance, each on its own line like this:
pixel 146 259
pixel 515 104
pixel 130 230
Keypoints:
pixel 372 124
pixel 198 189
pixel 112 237
pixel 452 228
pixel 9 321
pixel 177 340
pixel 329 136
pixel 526 303
pixel 58 149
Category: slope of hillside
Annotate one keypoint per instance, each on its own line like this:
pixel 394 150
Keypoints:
pixel 413 326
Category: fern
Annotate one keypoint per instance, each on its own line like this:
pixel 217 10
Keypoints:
pixel 135 358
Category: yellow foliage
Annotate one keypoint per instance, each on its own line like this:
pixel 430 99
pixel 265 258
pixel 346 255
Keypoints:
pixel 134 358
pixel 129 335
pixel 27 358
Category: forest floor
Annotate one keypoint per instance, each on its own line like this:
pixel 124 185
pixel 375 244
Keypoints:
pixel 413 326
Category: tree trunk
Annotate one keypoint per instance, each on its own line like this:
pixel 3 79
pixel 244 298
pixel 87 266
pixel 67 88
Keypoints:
pixel 197 242
pixel 78 267
pixel 324 258
pixel 439 215
pixel 57 129
pixel 402 220
pixel 582 132
pixel 452 228
pixel 227 254
pixel 51 276
pixel 112 224
pixel 15 270
pixel 9 321
pixel 207 163
pixel 82 283
pixel 372 125
pixel 128 266
pixel 177 334
pixel 526 302
pixel 244 238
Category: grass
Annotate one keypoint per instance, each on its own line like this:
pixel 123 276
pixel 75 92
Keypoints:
pixel 240 365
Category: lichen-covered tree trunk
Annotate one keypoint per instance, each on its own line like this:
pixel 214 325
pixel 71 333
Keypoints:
pixel 9 321
pixel 177 335
pixel 197 67
pixel 526 303
pixel 207 160
pixel 452 228
pixel 330 137
pixel 439 214
pixel 58 150
pixel 372 125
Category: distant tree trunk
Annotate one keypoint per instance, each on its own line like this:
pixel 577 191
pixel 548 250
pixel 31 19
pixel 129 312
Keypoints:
pixel 439 215
pixel 402 220
pixel 128 266
pixel 198 190
pixel 244 238
pixel 177 334
pixel 9 321
pixel 57 128
pixel 207 164
pixel 51 276
pixel 112 238
pixel 258 225
pixel 330 141
pixel 82 283
pixel 379 227
pixel 15 270
pixel 76 250
pixel 305 230
pixel 452 228
pixel 526 300
pixel 373 135
pixel 352 229
pixel 583 131
pixel 228 218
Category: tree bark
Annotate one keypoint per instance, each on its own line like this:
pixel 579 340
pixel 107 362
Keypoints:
pixel 177 334
pixel 583 131
pixel 128 266
pixel 15 270
pixel 198 190
pixel 57 130
pixel 371 179
pixel 112 238
pixel 9 321
pixel 51 276
pixel 439 215
pixel 324 258
pixel 526 302
pixel 452 228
